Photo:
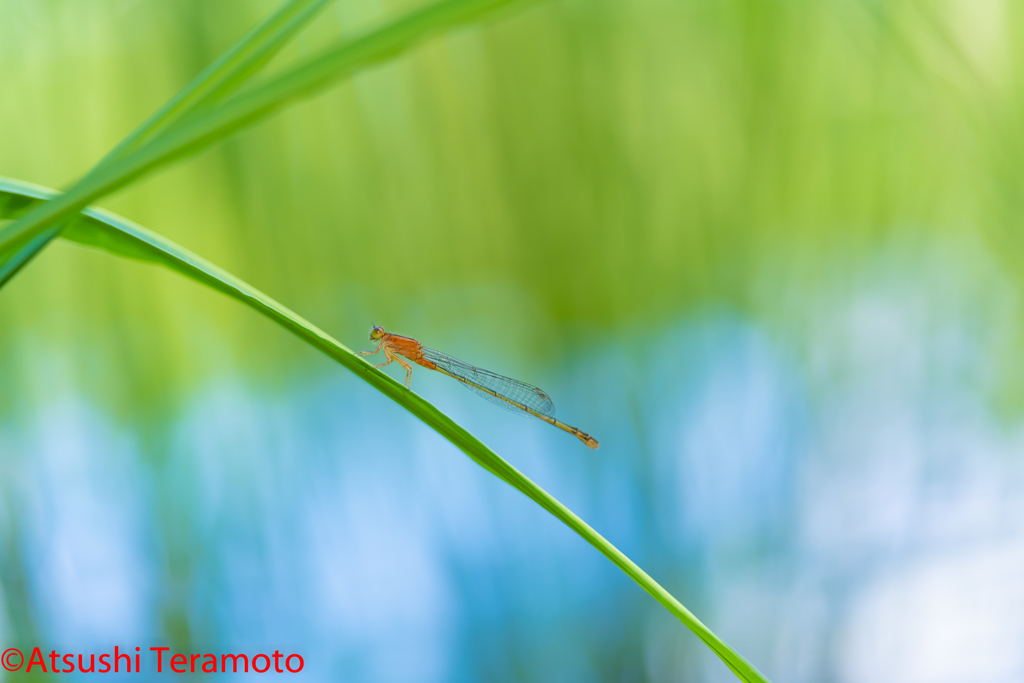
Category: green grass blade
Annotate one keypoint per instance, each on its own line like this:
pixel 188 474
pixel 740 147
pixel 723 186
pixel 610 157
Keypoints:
pixel 216 82
pixel 12 262
pixel 99 228
pixel 225 74
pixel 196 133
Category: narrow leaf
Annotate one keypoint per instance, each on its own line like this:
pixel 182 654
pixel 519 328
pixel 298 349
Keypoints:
pixel 228 72
pixel 105 230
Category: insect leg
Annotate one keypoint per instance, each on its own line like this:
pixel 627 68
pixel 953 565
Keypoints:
pixel 390 358
pixel 408 370
pixel 374 352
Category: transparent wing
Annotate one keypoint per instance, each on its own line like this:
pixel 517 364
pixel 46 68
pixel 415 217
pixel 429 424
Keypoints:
pixel 483 382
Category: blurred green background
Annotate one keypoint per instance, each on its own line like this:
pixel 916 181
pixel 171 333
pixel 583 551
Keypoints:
pixel 767 252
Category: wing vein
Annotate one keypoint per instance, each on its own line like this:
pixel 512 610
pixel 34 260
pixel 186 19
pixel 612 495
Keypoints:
pixel 508 393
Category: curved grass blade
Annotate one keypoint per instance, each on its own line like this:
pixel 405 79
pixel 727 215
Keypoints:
pixel 211 86
pixel 197 132
pixel 99 228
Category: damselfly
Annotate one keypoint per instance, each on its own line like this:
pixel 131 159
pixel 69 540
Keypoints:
pixel 508 393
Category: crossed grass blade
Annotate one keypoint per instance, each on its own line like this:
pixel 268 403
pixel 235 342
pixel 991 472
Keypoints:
pixel 211 86
pixel 199 131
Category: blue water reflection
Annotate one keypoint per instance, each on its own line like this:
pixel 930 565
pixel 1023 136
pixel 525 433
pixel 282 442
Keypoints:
pixel 858 529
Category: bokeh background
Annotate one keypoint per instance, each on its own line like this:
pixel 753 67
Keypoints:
pixel 768 252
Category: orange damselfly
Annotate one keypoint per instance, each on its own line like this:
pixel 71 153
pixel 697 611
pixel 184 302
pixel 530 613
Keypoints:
pixel 506 392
